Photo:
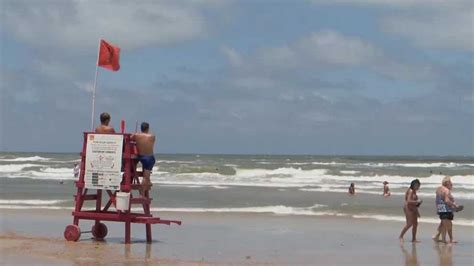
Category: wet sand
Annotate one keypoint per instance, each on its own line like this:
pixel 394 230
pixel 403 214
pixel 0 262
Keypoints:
pixel 35 237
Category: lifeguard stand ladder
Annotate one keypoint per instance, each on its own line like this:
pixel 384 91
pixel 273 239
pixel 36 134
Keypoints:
pixel 97 176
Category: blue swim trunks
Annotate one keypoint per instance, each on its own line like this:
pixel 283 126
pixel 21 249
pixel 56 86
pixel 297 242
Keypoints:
pixel 147 161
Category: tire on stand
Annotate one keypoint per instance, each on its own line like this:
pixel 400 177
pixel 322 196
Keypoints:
pixel 72 232
pixel 100 231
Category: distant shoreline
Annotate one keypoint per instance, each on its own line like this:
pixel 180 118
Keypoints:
pixel 362 156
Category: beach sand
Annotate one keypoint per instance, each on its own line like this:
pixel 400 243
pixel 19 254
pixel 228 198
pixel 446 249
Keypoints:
pixel 35 238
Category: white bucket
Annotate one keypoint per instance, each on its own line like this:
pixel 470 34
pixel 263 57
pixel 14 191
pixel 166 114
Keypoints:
pixel 122 201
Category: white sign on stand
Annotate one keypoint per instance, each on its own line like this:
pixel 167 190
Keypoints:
pixel 103 161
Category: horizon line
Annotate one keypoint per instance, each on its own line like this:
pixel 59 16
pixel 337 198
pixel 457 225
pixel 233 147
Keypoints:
pixel 267 154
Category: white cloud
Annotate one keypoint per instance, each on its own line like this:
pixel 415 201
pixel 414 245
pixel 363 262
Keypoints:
pixel 291 96
pixel 26 96
pixel 252 82
pixel 405 71
pixel 333 48
pixel 326 47
pixel 440 29
pixel 54 69
pixel 283 57
pixel 322 50
pixel 79 24
pixel 232 55
pixel 85 86
pixel 397 3
pixel 428 23
pixel 317 117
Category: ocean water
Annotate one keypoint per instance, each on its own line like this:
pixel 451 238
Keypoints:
pixel 256 184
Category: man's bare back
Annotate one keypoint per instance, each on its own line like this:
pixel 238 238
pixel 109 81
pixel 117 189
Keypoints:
pixel 105 129
pixel 104 124
pixel 145 143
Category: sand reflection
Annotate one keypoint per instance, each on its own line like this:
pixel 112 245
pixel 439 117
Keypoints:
pixel 128 254
pixel 411 258
pixel 445 254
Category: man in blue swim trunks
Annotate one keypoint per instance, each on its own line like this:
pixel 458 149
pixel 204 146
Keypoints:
pixel 145 142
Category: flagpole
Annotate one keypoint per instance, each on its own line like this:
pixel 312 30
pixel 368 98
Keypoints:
pixel 93 90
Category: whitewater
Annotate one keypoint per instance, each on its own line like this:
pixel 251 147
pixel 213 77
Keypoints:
pixel 311 186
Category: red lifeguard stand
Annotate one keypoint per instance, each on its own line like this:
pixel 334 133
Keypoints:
pixel 95 177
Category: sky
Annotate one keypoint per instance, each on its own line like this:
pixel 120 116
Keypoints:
pixel 329 77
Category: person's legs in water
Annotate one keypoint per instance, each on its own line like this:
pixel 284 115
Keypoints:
pixel 449 229
pixel 438 231
pixel 414 229
pixel 444 230
pixel 409 223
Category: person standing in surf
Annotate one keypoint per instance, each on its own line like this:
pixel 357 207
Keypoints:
pixel 77 170
pixel 386 189
pixel 412 203
pixel 352 189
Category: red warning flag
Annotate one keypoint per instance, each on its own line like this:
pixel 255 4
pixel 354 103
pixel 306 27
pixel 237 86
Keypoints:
pixel 109 56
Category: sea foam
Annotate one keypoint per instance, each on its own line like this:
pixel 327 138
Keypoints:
pixel 25 159
pixel 31 202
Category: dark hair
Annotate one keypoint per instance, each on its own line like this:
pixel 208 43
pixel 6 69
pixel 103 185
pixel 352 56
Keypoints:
pixel 145 126
pixel 415 182
pixel 104 118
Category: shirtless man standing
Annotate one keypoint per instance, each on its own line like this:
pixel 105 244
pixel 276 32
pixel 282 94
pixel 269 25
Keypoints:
pixel 104 124
pixel 145 142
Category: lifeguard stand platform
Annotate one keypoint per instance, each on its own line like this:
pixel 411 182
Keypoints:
pixel 109 165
